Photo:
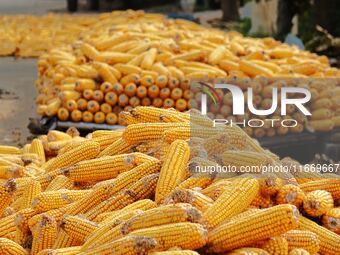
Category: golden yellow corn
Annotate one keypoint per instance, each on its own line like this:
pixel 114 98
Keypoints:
pixel 255 227
pixel 329 241
pixel 276 245
pixel 9 150
pixel 318 202
pixel 6 194
pixel 64 240
pixel 8 247
pixel 303 239
pixel 129 245
pixel 86 150
pixel 185 235
pixel 248 251
pixel 232 201
pixel 44 234
pixel 290 194
pixel 32 190
pixel 118 147
pixel 299 251
pixel 330 185
pixel 62 251
pixel 331 220
pixel 173 169
pixel 60 182
pixel 77 227
pixel 162 215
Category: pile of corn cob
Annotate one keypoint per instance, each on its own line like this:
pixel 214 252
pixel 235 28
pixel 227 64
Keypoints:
pixel 30 36
pixel 132 58
pixel 135 191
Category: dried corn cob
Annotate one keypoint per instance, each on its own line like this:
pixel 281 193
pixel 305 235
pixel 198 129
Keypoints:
pixel 38 148
pixel 318 202
pixel 86 150
pixel 6 194
pixel 60 182
pixel 290 194
pixel 232 201
pixel 276 245
pixel 118 147
pixel 9 150
pixel 329 241
pixel 32 190
pixel 62 251
pixel 252 228
pixel 169 214
pixel 50 200
pixel 331 220
pixel 330 185
pixel 8 247
pixel 176 158
pixel 77 227
pixel 299 251
pixel 132 245
pixel 171 235
pixel 179 252
pixel 64 240
pixel 302 239
pixel 248 251
pixel 44 235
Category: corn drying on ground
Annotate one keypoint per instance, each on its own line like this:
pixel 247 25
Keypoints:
pixel 31 36
pixel 136 191
pixel 131 58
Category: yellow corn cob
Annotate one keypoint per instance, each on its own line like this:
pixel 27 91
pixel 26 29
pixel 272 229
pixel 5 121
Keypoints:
pixel 149 59
pixel 129 245
pixel 221 142
pixel 126 69
pixel 195 182
pixel 86 150
pixel 7 225
pixel 290 194
pixel 298 251
pixel 176 159
pixel 331 220
pixel 32 190
pixel 144 204
pixel 126 179
pixel 6 194
pixel 182 133
pixel 60 182
pixel 77 227
pixel 258 226
pixel 254 69
pixel 71 144
pixel 9 150
pixel 192 197
pixel 162 215
pixel 276 245
pixel 109 230
pixel 44 235
pixel 143 188
pixel 185 235
pixel 55 135
pixel 321 114
pixel 318 202
pixel 261 201
pixel 46 178
pixel 64 240
pixel 99 169
pixel 118 147
pixel 22 218
pixel 232 201
pixel 148 131
pixel 329 241
pixel 38 148
pixel 248 251
pixel 112 40
pixel 106 140
pixel 241 159
pixel 14 171
pixel 270 185
pixel 330 185
pixel 56 214
pixel 302 239
pixel 216 55
pixel 8 247
pixel 216 189
pixel 62 251
pixel 56 199
pixel 180 252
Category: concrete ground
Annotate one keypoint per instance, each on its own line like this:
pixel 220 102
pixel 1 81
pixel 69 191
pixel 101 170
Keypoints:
pixel 17 77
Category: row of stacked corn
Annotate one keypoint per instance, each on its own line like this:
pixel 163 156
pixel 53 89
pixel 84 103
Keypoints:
pixel 137 191
pixel 31 36
pixel 132 58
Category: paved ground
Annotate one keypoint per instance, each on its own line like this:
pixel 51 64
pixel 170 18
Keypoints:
pixel 17 77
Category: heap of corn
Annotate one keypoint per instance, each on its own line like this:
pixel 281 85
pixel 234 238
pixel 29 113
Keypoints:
pixel 137 191
pixel 132 58
pixel 30 36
